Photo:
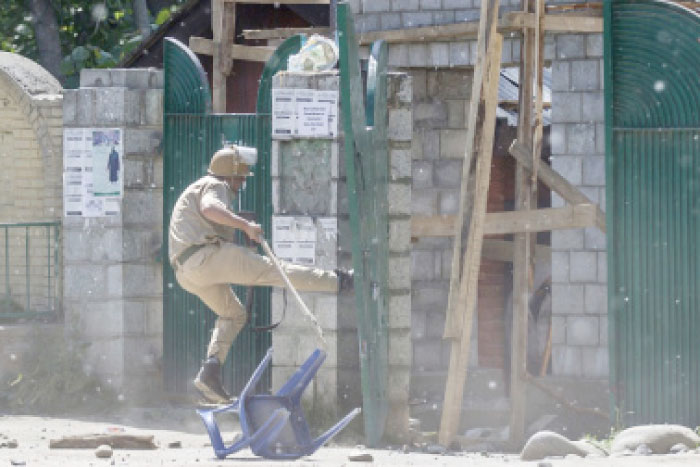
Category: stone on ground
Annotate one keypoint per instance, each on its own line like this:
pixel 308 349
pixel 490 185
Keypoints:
pixel 103 451
pixel 549 444
pixel 659 438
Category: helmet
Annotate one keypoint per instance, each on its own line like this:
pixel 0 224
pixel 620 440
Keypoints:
pixel 233 160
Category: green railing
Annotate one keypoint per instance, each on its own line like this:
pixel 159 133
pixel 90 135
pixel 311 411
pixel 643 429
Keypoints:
pixel 29 270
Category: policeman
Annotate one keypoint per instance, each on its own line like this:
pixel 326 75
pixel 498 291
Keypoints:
pixel 206 260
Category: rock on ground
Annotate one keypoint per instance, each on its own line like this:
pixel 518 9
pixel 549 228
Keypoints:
pixel 103 451
pixel 547 443
pixel 659 438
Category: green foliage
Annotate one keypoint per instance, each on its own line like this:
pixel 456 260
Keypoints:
pixel 93 34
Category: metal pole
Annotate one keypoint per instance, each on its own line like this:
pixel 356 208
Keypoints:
pixel 26 262
pixel 7 263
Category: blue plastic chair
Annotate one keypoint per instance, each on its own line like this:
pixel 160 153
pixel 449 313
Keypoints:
pixel 273 426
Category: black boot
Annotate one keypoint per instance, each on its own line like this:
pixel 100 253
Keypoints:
pixel 346 279
pixel 208 382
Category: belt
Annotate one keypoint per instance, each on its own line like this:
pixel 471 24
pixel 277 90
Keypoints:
pixel 185 255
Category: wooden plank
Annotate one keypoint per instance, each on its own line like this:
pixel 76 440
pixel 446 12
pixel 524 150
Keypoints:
pixel 116 441
pixel 488 19
pixel 218 77
pixel 201 45
pixel 573 24
pixel 502 250
pixel 521 241
pixel 282 33
pixel 574 216
pixel 556 182
pixel 254 53
pixel 283 2
pixel 511 22
pixel 468 286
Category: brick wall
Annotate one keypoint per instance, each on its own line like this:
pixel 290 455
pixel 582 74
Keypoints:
pixel 31 178
pixel 579 261
pixel 113 286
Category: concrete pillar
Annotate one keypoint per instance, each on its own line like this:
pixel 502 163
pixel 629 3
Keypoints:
pixel 112 271
pixel 309 181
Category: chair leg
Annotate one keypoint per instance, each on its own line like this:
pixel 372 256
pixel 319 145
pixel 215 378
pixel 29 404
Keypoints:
pixel 325 437
pixel 295 386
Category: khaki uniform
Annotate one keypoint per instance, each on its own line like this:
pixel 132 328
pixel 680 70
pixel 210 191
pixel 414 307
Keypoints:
pixel 219 262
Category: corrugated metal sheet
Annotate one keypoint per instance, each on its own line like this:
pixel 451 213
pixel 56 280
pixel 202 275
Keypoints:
pixel 652 87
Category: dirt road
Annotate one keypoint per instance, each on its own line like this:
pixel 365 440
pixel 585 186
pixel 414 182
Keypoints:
pixel 34 433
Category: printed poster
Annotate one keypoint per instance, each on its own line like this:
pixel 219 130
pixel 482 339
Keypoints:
pixel 92 172
pixel 107 172
pixel 304 113
pixel 294 239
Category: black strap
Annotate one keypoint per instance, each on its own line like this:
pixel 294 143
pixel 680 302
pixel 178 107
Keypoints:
pixel 249 299
pixel 249 306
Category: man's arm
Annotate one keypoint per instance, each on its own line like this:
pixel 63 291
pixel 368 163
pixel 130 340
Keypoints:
pixel 216 212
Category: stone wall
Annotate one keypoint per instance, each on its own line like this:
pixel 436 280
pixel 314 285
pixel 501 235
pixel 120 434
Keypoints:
pixel 579 261
pixel 309 180
pixel 113 271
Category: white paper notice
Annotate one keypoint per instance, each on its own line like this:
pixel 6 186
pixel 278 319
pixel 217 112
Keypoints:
pixel 294 239
pixel 283 113
pixel 313 119
pixel 86 150
pixel 329 227
pixel 330 98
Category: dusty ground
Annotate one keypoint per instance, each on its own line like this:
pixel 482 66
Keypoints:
pixel 33 434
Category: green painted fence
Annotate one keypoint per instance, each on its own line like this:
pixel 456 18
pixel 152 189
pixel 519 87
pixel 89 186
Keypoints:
pixel 652 99
pixel 366 164
pixel 29 271
pixel 191 135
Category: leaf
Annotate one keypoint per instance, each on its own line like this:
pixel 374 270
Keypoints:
pixel 67 66
pixel 80 54
pixel 105 59
pixel 163 16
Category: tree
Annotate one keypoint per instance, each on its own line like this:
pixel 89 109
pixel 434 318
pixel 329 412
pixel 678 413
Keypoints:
pixel 66 36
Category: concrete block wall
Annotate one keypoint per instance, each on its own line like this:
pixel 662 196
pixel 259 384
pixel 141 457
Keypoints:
pixel 305 183
pixel 113 271
pixel 308 178
pixel 375 15
pixel 579 261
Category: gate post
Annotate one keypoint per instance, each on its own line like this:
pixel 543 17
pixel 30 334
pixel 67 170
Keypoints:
pixel 111 263
pixel 308 181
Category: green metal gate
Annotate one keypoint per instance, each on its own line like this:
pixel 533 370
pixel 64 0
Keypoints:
pixel 366 165
pixel 191 135
pixel 652 100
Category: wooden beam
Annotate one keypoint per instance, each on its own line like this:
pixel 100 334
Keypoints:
pixel 283 2
pixel 536 220
pixel 556 182
pixel 502 250
pixel 281 33
pixel 511 22
pixel 478 154
pixel 572 24
pixel 253 53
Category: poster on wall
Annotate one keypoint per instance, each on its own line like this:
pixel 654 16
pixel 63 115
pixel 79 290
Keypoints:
pixel 304 113
pixel 107 164
pixel 294 239
pixel 92 172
